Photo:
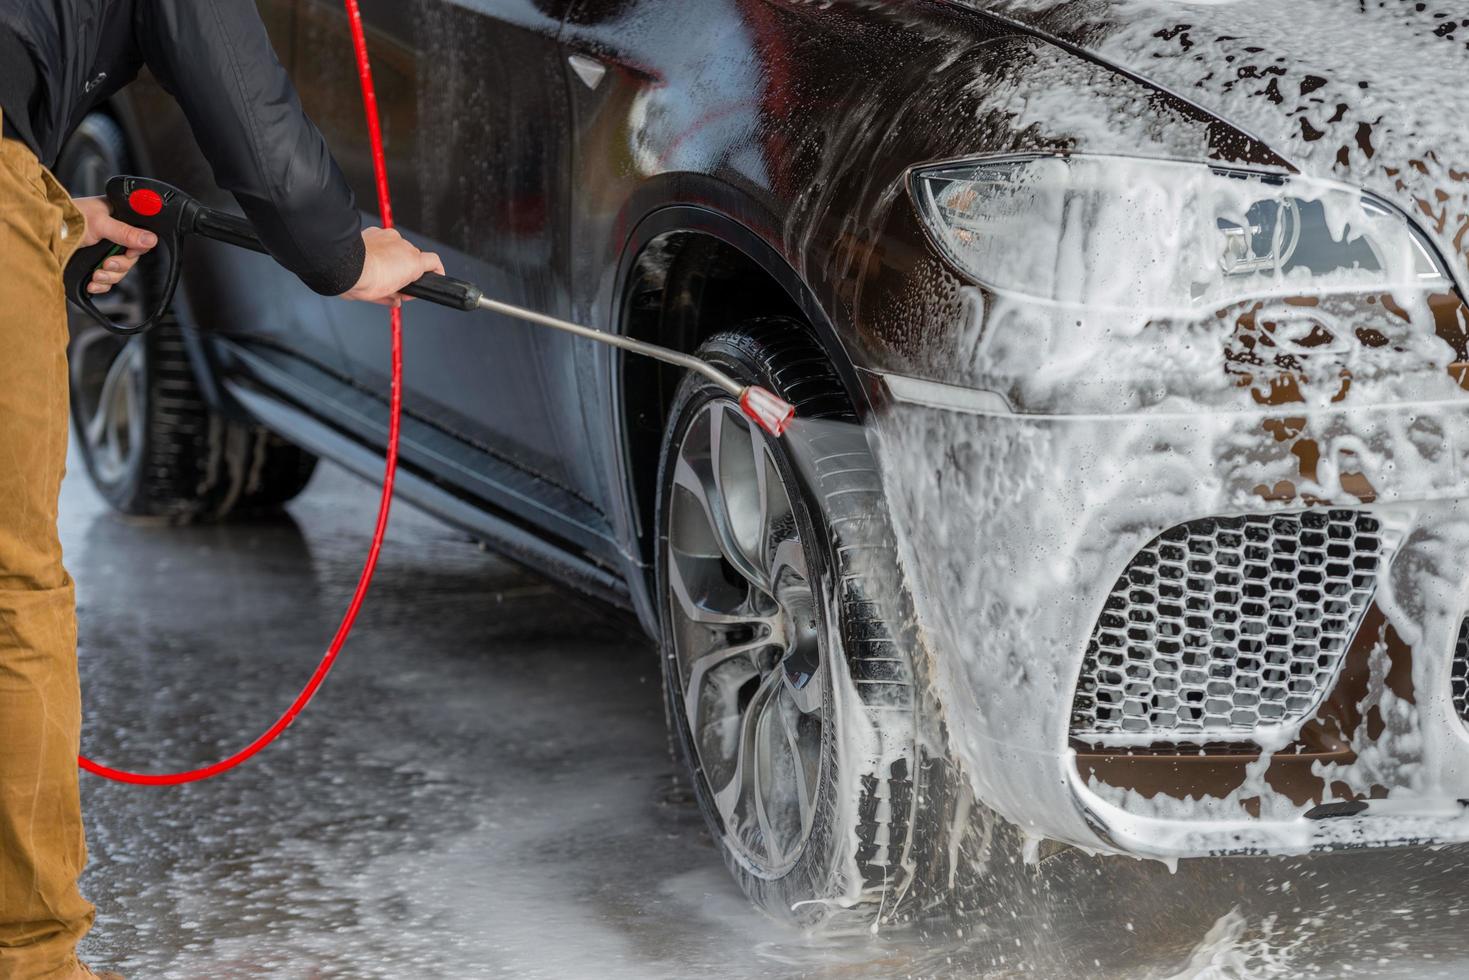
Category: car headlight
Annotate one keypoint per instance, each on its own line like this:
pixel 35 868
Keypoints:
pixel 1163 237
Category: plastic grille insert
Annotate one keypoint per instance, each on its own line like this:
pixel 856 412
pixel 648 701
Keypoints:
pixel 1226 624
pixel 1459 674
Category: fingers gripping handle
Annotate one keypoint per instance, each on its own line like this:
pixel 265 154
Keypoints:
pixel 142 203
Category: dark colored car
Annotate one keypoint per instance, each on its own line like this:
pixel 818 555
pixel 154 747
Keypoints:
pixel 1130 350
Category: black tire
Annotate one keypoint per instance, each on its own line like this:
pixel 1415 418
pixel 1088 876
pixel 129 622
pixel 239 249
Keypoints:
pixel 147 437
pixel 855 864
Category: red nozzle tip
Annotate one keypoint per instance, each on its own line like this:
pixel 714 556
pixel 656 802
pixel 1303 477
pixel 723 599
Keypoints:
pixel 771 413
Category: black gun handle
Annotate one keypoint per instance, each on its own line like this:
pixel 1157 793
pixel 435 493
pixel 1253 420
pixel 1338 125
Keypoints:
pixel 143 203
pixel 78 276
pixel 453 293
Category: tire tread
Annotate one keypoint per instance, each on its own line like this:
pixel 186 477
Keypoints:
pixel 843 479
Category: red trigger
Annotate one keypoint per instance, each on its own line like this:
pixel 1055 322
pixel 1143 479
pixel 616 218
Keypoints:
pixel 145 202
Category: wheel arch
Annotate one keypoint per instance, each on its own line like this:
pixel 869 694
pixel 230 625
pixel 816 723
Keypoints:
pixel 680 265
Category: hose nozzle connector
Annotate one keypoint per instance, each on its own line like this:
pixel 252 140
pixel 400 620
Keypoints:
pixel 767 410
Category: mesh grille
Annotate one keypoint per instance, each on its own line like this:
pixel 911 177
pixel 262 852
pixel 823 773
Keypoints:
pixel 1459 677
pixel 1225 624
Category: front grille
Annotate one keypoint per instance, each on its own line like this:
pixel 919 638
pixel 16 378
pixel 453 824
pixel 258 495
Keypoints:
pixel 1225 624
pixel 1459 675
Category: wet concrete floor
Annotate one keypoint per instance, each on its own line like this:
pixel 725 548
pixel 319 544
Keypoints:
pixel 483 789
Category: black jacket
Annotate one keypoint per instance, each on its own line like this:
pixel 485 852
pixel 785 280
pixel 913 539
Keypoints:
pixel 59 59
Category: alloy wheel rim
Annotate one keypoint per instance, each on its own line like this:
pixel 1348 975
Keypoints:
pixel 746 637
pixel 107 381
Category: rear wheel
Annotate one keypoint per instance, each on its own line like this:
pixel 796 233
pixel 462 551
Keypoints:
pixel 146 435
pixel 790 687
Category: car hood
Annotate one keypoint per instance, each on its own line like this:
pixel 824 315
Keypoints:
pixel 1373 94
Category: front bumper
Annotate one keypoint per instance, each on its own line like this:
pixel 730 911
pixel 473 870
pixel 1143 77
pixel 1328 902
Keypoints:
pixel 1014 529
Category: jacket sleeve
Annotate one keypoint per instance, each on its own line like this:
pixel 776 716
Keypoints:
pixel 215 58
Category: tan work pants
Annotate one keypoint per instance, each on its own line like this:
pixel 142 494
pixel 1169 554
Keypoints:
pixel 42 850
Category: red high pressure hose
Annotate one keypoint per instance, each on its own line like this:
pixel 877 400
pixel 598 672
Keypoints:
pixel 390 470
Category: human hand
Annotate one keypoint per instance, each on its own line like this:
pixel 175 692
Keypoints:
pixel 102 226
pixel 392 263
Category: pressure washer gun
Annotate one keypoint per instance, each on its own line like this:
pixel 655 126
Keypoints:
pixel 174 216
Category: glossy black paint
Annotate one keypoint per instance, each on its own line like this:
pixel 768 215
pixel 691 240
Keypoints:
pixel 738 156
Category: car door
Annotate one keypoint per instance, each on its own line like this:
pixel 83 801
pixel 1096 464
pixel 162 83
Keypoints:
pixel 473 102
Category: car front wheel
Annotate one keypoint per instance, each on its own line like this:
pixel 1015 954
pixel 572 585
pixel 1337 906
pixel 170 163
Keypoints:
pixel 789 678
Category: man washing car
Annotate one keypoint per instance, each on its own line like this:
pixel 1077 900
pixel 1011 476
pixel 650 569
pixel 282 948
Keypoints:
pixel 59 59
